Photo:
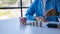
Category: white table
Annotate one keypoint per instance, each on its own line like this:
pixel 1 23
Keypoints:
pixel 12 26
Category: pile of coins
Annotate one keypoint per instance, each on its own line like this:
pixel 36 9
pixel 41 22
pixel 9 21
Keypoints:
pixel 35 23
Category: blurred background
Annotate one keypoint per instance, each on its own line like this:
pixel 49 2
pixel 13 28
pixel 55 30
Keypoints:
pixel 13 8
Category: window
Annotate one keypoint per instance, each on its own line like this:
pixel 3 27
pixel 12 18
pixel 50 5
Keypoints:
pixel 25 5
pixel 13 8
pixel 9 13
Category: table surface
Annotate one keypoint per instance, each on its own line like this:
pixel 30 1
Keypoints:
pixel 12 26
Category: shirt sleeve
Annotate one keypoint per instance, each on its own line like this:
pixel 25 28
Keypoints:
pixel 57 2
pixel 49 5
pixel 31 11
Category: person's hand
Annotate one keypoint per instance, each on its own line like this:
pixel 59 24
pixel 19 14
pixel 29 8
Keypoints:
pixel 52 12
pixel 22 20
pixel 37 18
pixel 41 19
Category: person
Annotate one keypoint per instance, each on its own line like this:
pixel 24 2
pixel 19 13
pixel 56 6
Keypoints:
pixel 36 8
pixel 51 11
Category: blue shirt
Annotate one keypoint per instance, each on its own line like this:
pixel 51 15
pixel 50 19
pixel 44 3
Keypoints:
pixel 53 4
pixel 36 8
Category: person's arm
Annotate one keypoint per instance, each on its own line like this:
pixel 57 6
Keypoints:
pixel 49 5
pixel 51 11
pixel 31 11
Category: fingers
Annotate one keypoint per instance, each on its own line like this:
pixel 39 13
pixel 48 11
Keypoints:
pixel 22 20
pixel 41 19
pixel 52 12
pixel 37 18
pixel 44 20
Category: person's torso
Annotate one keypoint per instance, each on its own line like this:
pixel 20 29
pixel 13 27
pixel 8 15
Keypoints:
pixel 39 11
pixel 57 3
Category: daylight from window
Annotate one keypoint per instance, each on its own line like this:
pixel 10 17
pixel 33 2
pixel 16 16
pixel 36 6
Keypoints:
pixel 13 13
